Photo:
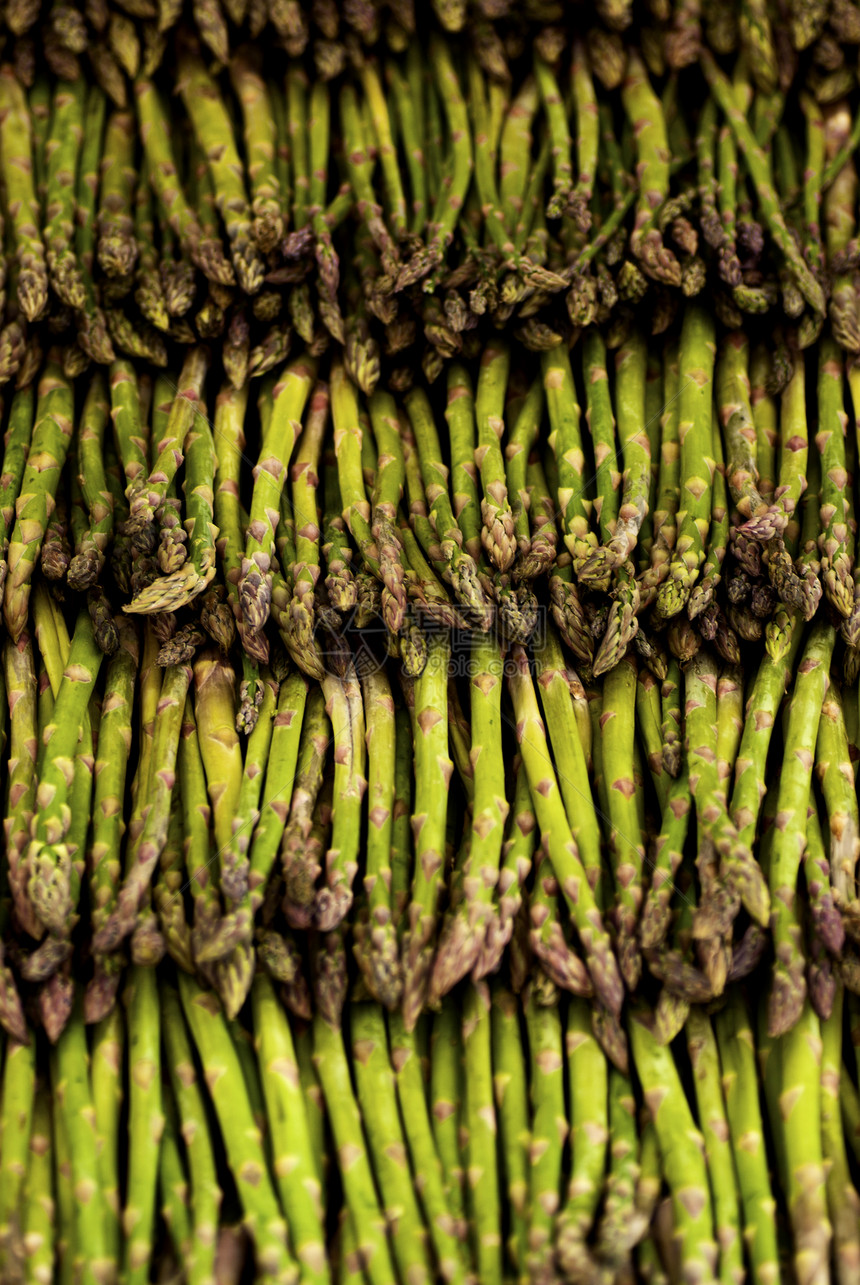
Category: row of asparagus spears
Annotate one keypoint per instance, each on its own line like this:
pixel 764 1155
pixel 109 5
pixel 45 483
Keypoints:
pixel 494 1143
pixel 403 209
pixel 109 40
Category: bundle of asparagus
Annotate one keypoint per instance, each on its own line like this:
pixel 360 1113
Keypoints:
pixel 431 643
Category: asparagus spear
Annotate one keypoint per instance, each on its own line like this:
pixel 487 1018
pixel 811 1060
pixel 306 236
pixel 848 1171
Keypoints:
pixel 345 710
pixel 260 148
pixel 417 1128
pixel 145 1123
pixel 180 586
pixel 830 442
pixel 74 1106
pixel 511 1101
pixel 158 787
pixel 459 566
pixel 432 777
pixel 465 931
pixel 52 432
pixel 685 1168
pixel 705 1061
pixel 214 132
pixel 566 444
pixel 304 475
pixel 367 1218
pixel 628 852
pixel 61 153
pixel 643 110
pixel 107 1087
pixel 556 831
pixel 295 1170
pixel 54 875
pixel 738 1060
pixel 842 1197
pixel 789 985
pixel 549 1127
pixel 300 872
pixel 446 211
pixel 16 448
pixel 114 747
pixel 229 1096
pixel 205 1196
pixel 696 372
pixel 497 532
pixel 278 784
pixel 21 690
pixel 19 1086
pixel 147 492
pixel 389 1157
pixel 16 152
pixel 736 416
pixel 117 247
pixel 480 1131
pixel 833 770
pixel 839 225
pixel 39 1224
pixel 376 946
pixel 797 1072
pixel 587 1073
pixel 445 1098
pixel 89 559
pixel 756 162
pixel 621 1225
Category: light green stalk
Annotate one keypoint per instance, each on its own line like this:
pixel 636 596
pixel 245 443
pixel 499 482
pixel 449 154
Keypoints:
pixel 145 1124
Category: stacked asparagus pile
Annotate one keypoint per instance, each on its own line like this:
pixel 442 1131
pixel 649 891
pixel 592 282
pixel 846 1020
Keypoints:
pixel 432 643
pixel 367 187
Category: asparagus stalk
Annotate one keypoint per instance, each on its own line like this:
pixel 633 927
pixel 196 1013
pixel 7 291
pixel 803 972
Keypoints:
pixel 367 1218
pixel 587 1075
pixel 74 1106
pixel 19 1086
pixel 480 1129
pixel 295 1171
pixel 465 931
pixel 145 1123
pixel 566 444
pixel 685 1168
pixel 738 1060
pixel 497 532
pixel 61 154
pixel 230 1098
pixel 789 984
pixel 696 373
pixel 16 448
pixel 52 433
pixel 555 829
pixel 16 151
pixel 459 566
pixel 389 1157
pixel 377 953
pixel 345 711
pixel 107 1088
pixel 549 1128
pixel 146 493
pixel 432 777
pixel 39 1224
pixel 214 132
